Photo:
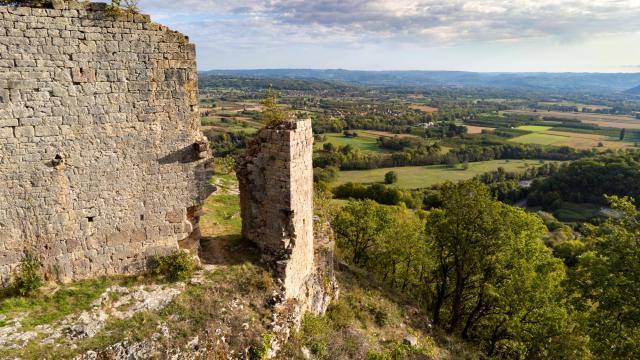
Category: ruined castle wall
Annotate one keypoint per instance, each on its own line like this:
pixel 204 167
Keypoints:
pixel 102 162
pixel 276 198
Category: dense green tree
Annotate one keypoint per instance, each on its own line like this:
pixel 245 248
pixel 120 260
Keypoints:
pixel 608 275
pixel 390 177
pixel 495 281
pixel 589 180
pixel 359 227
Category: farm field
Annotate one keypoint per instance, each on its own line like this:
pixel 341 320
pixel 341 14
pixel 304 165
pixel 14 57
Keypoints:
pixel 471 129
pixel 413 177
pixel 424 108
pixel 235 124
pixel 384 133
pixel 580 106
pixel 534 128
pixel 604 120
pixel 365 141
pixel 544 135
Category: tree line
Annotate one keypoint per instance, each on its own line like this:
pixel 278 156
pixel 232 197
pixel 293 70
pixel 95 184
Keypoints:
pixel 348 158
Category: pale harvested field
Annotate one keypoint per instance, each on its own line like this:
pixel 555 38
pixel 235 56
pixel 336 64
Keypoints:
pixel 251 106
pixel 425 108
pixel 604 120
pixel 574 140
pixel 587 141
pixel 477 129
pixel 580 106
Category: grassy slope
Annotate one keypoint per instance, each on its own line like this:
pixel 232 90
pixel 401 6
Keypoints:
pixel 412 177
pixel 370 321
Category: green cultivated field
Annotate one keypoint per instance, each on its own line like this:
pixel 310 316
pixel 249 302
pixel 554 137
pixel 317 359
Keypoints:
pixel 413 177
pixel 534 128
pixel 364 141
pixel 538 139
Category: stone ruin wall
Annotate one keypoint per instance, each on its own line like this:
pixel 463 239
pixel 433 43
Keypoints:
pixel 276 200
pixel 102 161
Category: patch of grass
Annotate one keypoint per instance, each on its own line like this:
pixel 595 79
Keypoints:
pixel 538 139
pixel 572 212
pixel 364 141
pixel 46 309
pixel 413 177
pixel 222 212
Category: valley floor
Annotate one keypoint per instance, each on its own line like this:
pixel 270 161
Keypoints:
pixel 414 177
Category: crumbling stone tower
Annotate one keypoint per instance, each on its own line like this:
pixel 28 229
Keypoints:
pixel 276 200
pixel 102 161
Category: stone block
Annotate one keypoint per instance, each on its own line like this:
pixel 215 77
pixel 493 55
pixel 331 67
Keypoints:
pixel 6 132
pixel 24 131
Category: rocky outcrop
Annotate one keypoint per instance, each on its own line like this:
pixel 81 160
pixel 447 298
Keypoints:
pixel 102 161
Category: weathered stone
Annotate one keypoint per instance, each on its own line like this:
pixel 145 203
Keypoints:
pixel 84 184
pixel 410 340
pixel 276 199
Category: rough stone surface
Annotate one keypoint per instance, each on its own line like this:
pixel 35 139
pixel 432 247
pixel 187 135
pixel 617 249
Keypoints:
pixel 101 161
pixel 410 340
pixel 275 177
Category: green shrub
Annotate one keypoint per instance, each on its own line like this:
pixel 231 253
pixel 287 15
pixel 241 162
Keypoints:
pixel 178 266
pixel 261 351
pixel 29 278
pixel 122 7
pixel 390 178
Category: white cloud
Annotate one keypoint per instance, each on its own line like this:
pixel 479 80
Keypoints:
pixel 424 20
pixel 351 24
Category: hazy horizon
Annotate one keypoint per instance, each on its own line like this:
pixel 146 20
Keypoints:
pixel 423 35
pixel 421 70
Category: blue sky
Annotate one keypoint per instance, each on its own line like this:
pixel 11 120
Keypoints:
pixel 486 35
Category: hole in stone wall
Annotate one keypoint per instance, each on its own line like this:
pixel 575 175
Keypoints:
pixel 58 160
pixel 141 217
pixel 90 218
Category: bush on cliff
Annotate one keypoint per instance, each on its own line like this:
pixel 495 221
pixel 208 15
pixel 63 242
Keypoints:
pixel 272 114
pixel 178 266
pixel 28 279
pixel 122 7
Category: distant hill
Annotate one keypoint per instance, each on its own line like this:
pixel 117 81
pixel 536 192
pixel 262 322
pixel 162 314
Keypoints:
pixel 250 82
pixel 574 82
pixel 633 91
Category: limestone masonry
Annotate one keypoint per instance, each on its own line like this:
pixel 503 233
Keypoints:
pixel 276 200
pixel 102 162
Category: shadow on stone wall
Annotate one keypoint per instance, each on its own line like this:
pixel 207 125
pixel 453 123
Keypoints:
pixel 185 155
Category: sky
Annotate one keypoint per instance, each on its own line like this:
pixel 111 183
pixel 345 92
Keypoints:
pixel 483 35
